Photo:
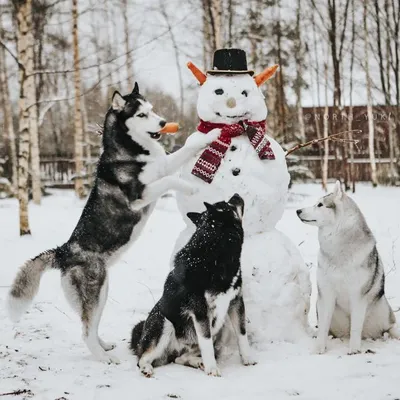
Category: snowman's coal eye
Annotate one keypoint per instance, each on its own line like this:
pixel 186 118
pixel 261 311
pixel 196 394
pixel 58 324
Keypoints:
pixel 219 91
pixel 245 93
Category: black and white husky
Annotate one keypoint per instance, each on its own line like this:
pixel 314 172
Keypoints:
pixel 350 275
pixel 133 171
pixel 203 288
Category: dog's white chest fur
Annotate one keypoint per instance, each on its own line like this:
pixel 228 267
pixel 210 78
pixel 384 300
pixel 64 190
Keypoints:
pixel 218 306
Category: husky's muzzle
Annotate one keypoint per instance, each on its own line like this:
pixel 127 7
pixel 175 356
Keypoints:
pixel 237 202
pixel 157 135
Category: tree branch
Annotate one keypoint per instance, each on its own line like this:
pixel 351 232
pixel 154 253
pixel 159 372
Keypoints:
pixel 11 54
pixel 332 137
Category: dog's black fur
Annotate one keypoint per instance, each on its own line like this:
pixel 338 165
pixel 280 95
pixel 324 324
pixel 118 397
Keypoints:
pixel 107 221
pixel 209 265
pixel 107 224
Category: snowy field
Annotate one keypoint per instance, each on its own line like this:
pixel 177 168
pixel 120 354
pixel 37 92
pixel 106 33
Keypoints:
pixel 45 355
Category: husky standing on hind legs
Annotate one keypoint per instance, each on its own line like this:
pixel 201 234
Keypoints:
pixel 133 171
pixel 350 275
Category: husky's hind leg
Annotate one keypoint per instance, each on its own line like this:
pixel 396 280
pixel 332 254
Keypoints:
pixel 86 291
pixel 155 342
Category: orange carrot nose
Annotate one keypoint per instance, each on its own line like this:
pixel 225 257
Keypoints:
pixel 268 73
pixel 170 128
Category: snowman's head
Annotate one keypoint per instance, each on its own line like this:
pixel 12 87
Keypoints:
pixel 230 98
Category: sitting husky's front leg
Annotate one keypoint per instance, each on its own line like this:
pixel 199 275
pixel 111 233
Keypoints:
pixel 203 331
pixel 237 316
pixel 194 143
pixel 357 317
pixel 156 189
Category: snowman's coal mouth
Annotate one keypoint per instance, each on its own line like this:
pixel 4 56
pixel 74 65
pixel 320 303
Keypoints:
pixel 232 116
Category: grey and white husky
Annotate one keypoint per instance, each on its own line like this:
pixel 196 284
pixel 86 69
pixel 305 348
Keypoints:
pixel 132 173
pixel 350 275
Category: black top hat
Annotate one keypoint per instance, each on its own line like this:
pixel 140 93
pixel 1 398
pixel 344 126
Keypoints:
pixel 230 61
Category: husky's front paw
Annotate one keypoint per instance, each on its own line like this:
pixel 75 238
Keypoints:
pixel 107 346
pixel 109 359
pixel 137 205
pixel 248 360
pixel 320 347
pixel 147 370
pixel 212 371
pixel 353 350
pixel 199 141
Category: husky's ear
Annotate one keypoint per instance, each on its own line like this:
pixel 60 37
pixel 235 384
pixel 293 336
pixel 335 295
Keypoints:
pixel 209 206
pixel 337 191
pixel 118 102
pixel 135 89
pixel 194 217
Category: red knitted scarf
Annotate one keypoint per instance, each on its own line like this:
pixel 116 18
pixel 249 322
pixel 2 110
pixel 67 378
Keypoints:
pixel 211 158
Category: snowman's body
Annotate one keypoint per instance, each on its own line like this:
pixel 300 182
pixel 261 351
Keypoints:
pixel 276 282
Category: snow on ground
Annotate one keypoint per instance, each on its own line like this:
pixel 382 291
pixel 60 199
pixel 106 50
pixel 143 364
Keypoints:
pixel 45 354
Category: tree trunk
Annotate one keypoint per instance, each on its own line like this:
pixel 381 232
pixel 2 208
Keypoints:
pixel 326 142
pixel 350 119
pixel 129 66
pixel 177 61
pixel 299 68
pixel 371 133
pixel 8 120
pixel 24 12
pixel 215 12
pixel 78 138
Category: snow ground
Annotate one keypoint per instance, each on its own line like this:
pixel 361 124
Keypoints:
pixel 45 354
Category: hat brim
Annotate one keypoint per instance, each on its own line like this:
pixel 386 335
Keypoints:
pixel 229 72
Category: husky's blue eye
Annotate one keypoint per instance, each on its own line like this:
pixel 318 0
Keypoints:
pixel 319 205
pixel 219 91
pixel 141 115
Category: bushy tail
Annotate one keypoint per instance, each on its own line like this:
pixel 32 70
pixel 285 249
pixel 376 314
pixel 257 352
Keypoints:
pixel 26 283
pixel 137 332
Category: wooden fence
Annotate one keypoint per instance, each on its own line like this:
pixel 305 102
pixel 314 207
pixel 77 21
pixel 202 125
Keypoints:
pixel 59 172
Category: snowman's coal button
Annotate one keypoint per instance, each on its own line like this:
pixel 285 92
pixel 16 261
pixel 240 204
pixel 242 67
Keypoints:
pixel 236 171
pixel 233 148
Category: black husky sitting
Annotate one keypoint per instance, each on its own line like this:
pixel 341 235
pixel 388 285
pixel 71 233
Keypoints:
pixel 203 288
pixel 133 171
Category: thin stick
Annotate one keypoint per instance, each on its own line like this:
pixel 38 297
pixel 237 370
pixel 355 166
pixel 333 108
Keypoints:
pixel 17 392
pixel 332 137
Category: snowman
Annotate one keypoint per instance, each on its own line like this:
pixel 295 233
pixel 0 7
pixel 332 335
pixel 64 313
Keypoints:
pixel 245 160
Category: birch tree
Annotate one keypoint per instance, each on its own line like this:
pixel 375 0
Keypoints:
pixel 8 118
pixel 78 137
pixel 23 11
pixel 129 66
pixel 371 133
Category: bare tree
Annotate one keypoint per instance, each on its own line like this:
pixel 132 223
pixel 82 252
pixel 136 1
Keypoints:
pixel 23 11
pixel 176 53
pixel 8 117
pixel 326 127
pixel 371 133
pixel 298 50
pixel 78 137
pixel 129 65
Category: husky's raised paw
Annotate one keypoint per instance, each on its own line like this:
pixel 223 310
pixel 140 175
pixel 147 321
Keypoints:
pixel 199 141
pixel 147 371
pixel 213 371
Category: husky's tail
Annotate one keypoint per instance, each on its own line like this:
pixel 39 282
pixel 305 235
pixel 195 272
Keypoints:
pixel 137 333
pixel 26 283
